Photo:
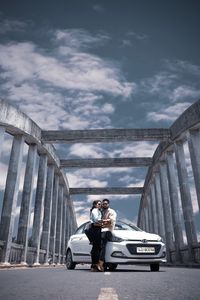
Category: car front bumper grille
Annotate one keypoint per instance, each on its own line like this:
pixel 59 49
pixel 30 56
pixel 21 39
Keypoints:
pixel 132 248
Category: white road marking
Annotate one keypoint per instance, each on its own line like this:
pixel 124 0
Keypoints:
pixel 107 273
pixel 108 294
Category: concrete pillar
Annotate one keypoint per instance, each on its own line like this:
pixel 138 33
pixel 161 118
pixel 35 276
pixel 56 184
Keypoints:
pixel 161 226
pixel 10 196
pixel 150 213
pixel 25 210
pixel 185 198
pixel 63 246
pixel 74 224
pixel 166 209
pixel 69 219
pixel 154 210
pixel 194 148
pixel 142 223
pixel 45 239
pixel 2 132
pixel 175 207
pixel 39 206
pixel 146 219
pixel 59 223
pixel 54 218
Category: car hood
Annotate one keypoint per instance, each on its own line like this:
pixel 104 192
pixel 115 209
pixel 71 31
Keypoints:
pixel 136 235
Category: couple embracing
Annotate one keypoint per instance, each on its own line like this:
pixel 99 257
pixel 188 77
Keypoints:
pixel 102 223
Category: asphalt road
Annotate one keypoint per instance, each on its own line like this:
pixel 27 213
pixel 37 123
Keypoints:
pixel 126 283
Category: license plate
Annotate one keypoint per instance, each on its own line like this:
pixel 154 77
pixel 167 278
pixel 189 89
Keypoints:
pixel 145 250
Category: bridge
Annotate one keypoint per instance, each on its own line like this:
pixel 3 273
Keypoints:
pixel 166 197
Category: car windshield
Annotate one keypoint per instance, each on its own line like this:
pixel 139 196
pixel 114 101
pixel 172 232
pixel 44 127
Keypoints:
pixel 118 226
pixel 124 226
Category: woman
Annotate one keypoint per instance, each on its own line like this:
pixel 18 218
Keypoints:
pixel 95 234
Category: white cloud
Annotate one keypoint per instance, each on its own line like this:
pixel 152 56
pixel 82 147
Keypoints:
pixel 137 149
pixel 65 88
pixel 75 40
pixel 171 113
pixel 78 179
pixel 159 83
pixel 77 71
pixel 175 82
pixel 182 92
pixel 87 151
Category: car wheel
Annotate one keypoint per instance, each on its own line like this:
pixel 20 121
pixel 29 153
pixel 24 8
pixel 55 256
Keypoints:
pixel 110 267
pixel 154 267
pixel 69 261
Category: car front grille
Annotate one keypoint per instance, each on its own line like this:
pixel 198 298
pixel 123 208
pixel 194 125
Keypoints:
pixel 132 248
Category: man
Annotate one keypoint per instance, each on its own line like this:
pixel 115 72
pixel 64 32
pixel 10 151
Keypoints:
pixel 109 219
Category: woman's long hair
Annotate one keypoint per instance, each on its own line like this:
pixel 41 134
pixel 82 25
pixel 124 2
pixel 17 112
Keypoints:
pixel 94 205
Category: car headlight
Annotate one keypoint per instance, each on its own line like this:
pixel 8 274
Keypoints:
pixel 160 239
pixel 116 239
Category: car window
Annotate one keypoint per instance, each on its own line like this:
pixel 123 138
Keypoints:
pixel 123 226
pixel 81 228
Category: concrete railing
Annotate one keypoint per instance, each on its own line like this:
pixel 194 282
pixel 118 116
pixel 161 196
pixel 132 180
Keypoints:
pixel 166 204
pixel 53 217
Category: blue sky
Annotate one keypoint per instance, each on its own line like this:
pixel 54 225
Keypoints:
pixel 101 64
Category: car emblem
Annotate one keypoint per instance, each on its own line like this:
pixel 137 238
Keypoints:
pixel 144 241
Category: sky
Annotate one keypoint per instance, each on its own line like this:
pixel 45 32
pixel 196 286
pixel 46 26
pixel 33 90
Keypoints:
pixel 83 64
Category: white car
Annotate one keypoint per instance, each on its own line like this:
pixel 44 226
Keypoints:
pixel 129 245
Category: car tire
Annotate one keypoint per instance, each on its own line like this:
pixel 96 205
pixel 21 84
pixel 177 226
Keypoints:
pixel 110 267
pixel 154 267
pixel 69 261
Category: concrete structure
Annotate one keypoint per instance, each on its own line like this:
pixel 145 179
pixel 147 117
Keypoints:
pixel 166 197
pixel 35 248
pixel 106 162
pixel 103 191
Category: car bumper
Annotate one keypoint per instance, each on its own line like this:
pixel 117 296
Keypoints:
pixel 119 253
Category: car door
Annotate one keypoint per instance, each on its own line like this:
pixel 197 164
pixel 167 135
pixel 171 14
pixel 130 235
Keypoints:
pixel 81 247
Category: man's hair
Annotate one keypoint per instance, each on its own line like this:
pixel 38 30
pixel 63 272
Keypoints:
pixel 106 200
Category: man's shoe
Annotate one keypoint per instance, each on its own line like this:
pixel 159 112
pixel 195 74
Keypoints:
pixel 101 266
pixel 94 270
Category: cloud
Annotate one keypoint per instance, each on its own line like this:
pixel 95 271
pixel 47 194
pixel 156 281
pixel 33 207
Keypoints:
pixel 75 40
pixel 136 149
pixel 82 179
pixel 170 113
pixel 98 8
pixel 183 92
pixel 180 66
pixel 7 26
pixel 138 36
pixel 87 151
pixel 64 88
pixel 159 84
pixel 176 82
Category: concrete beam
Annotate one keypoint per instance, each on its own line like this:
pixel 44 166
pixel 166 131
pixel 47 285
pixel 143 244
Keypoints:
pixel 104 135
pixel 189 119
pixel 107 191
pixel 106 162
